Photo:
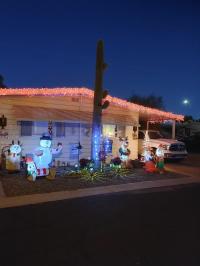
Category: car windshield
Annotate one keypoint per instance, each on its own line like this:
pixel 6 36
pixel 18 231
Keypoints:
pixel 155 135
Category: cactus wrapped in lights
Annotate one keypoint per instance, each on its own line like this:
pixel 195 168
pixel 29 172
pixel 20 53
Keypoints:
pixel 98 105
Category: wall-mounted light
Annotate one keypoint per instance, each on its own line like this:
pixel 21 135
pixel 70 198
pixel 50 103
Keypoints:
pixel 3 121
pixel 116 131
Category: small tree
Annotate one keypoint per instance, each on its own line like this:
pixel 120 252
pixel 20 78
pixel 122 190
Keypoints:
pixel 148 101
pixel 2 85
pixel 188 118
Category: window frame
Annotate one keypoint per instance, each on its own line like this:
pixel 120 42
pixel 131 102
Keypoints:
pixel 63 128
pixel 23 128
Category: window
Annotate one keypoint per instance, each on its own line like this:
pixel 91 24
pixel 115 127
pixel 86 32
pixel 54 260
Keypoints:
pixel 73 128
pixel 155 135
pixel 73 151
pixel 141 135
pixel 40 127
pixel 26 128
pixel 85 130
pixel 60 129
pixel 109 130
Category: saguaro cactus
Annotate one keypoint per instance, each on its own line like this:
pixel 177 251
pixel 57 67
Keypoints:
pixel 98 105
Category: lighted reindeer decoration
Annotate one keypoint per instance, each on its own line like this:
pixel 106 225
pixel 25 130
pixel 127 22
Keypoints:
pixel 13 158
pixel 123 150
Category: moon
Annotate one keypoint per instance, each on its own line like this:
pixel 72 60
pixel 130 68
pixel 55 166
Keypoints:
pixel 185 102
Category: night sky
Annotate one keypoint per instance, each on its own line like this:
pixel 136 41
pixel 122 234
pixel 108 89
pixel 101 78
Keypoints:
pixel 150 47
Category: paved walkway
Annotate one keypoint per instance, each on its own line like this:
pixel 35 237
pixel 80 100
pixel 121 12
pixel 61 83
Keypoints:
pixel 6 202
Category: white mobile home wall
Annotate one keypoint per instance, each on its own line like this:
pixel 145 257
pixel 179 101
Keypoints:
pixel 62 103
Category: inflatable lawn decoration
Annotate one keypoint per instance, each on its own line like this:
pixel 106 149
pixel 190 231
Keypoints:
pixel 42 159
pixel 149 160
pixel 31 169
pixel 160 159
pixel 13 159
pixel 123 150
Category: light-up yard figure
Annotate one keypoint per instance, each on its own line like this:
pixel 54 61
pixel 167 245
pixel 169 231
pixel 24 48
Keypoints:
pixel 13 158
pixel 124 151
pixel 43 157
pixel 31 169
pixel 160 159
pixel 149 160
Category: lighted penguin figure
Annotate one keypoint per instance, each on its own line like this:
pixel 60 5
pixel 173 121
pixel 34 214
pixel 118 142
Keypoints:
pixel 42 157
pixel 123 150
pixel 160 159
pixel 13 159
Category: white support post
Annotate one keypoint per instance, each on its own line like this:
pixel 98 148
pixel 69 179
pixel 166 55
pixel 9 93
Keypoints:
pixel 147 125
pixel 173 129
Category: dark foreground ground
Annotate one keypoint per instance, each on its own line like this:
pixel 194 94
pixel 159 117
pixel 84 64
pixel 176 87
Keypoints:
pixel 160 228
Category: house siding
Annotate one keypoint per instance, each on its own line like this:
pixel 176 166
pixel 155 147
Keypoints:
pixel 29 143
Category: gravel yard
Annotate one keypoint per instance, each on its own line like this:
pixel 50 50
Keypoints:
pixel 17 184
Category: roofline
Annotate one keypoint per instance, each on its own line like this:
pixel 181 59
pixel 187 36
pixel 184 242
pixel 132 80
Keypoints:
pixel 85 92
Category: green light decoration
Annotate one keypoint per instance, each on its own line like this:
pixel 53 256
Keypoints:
pixel 98 105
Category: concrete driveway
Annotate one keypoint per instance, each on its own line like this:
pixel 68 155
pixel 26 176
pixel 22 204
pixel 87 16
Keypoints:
pixel 189 166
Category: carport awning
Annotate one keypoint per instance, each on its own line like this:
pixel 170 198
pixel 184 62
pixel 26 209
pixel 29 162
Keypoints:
pixel 30 113
pixel 153 117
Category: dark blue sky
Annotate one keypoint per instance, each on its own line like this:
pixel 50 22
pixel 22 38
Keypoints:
pixel 150 46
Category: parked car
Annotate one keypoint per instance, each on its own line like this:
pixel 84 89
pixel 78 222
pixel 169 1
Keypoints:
pixel 173 149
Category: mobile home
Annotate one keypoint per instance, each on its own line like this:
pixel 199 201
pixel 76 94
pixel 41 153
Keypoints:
pixel 66 113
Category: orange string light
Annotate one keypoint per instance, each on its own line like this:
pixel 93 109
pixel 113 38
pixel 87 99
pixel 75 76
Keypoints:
pixel 85 92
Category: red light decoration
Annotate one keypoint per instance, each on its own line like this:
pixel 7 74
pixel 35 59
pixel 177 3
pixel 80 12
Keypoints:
pixel 85 92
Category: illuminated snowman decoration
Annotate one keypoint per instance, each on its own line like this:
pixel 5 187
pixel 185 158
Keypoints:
pixel 43 157
pixel 13 158
pixel 123 150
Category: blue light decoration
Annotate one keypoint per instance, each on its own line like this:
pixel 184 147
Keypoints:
pixel 96 143
pixel 107 146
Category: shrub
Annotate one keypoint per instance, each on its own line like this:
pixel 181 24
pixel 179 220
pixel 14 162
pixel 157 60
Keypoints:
pixel 116 161
pixel 84 163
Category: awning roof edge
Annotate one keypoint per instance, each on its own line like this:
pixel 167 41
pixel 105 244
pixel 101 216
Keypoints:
pixel 88 93
pixel 43 113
